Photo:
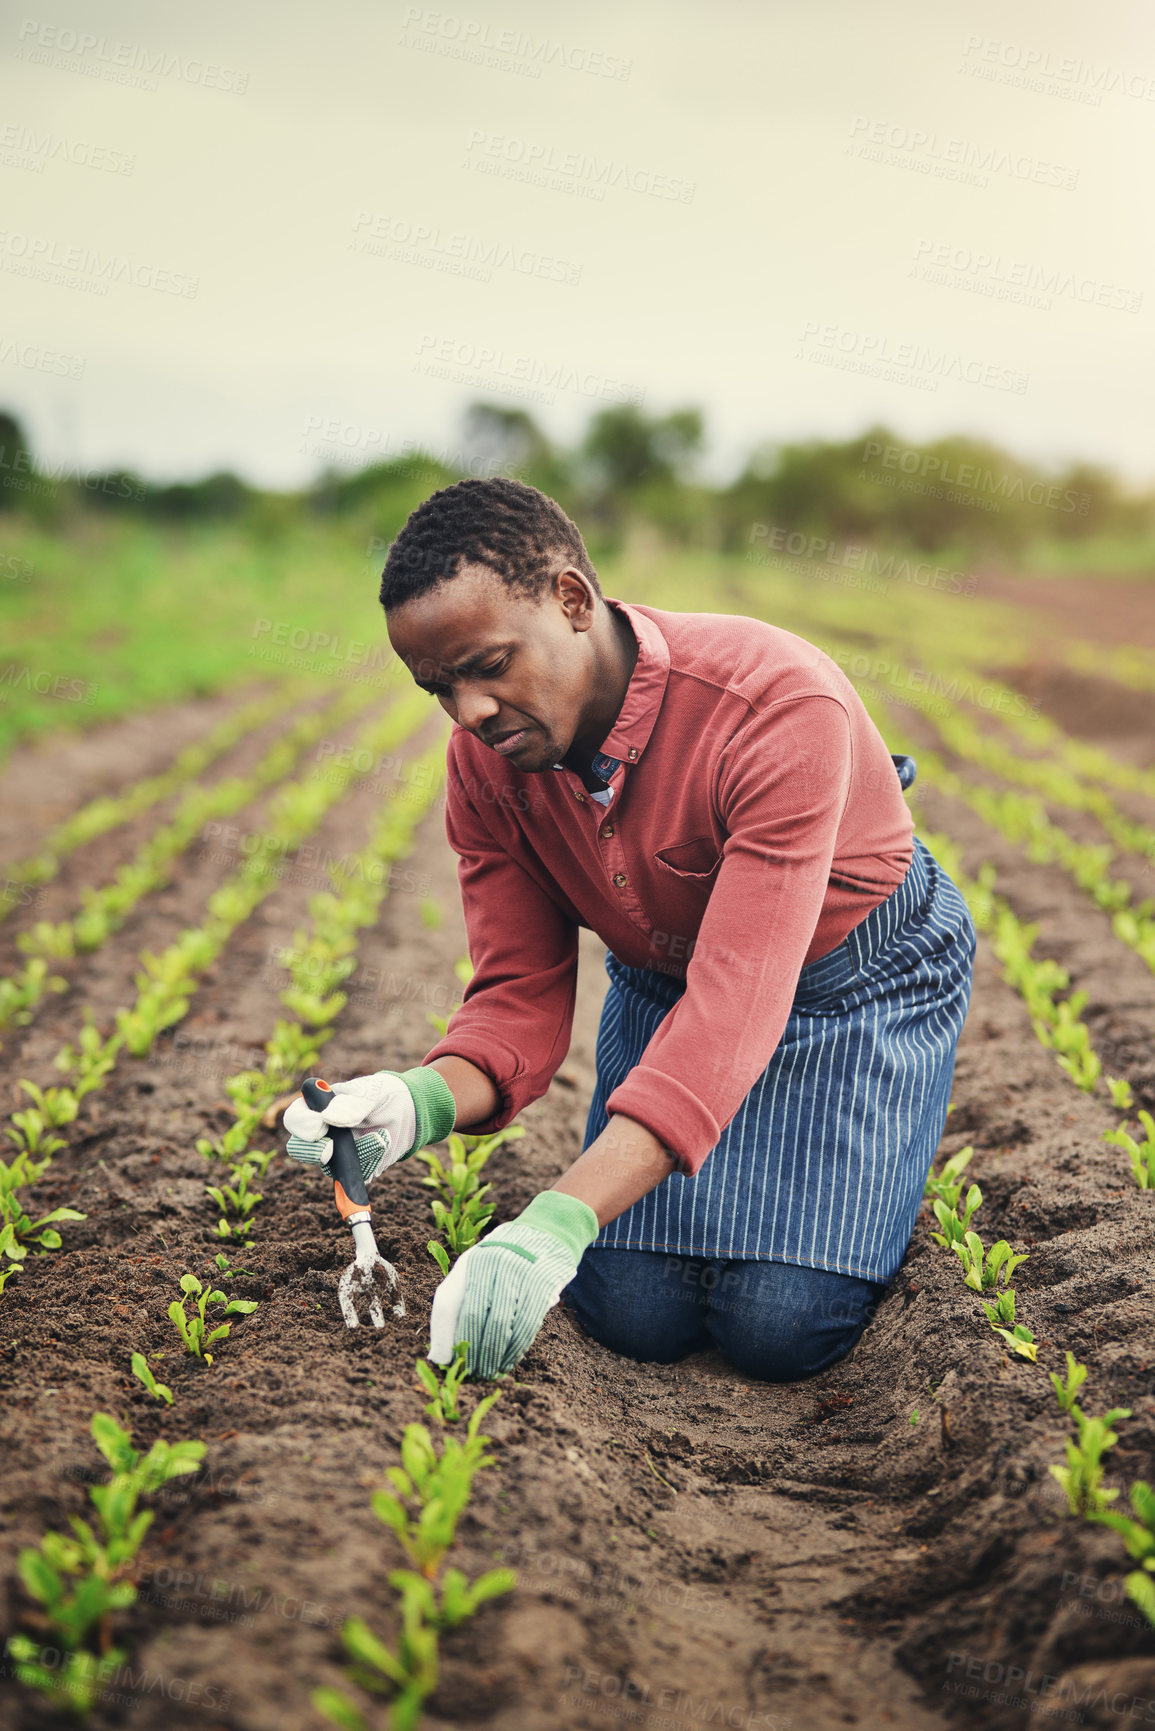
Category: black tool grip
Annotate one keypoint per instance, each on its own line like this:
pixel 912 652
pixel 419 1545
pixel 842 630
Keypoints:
pixel 345 1166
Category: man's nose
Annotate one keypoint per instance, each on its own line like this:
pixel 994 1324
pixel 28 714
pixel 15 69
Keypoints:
pixel 475 707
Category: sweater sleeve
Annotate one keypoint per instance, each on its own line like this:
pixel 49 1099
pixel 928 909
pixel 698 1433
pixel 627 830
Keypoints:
pixel 782 787
pixel 517 1015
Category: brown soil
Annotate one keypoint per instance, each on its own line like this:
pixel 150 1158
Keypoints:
pixel 1088 706
pixel 44 781
pixel 1103 609
pixel 691 1548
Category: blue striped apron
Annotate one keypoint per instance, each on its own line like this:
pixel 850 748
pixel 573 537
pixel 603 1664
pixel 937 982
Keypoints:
pixel 824 1162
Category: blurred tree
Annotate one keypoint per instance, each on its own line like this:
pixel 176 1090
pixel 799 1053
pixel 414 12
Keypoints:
pixel 626 448
pixel 15 460
pixel 503 441
pixel 219 495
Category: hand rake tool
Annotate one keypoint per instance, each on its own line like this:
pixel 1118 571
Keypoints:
pixel 352 1199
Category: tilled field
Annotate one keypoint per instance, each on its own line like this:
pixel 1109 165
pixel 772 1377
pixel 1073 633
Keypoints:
pixel 881 1546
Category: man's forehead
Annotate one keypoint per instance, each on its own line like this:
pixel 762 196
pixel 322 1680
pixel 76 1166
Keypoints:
pixel 465 618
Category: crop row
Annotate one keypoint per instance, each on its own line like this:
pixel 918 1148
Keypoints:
pixel 1058 784
pixel 1023 820
pixel 436 1484
pixel 110 811
pixel 167 981
pixel 106 908
pixel 913 672
pixel 320 957
pixel 1081 1476
pixel 1126 663
pixel 1056 1021
pixel 1090 761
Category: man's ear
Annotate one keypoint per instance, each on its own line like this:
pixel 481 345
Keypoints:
pixel 576 596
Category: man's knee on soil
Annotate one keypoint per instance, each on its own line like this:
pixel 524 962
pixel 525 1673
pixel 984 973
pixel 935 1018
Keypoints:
pixel 641 1305
pixel 793 1333
pixel 644 1344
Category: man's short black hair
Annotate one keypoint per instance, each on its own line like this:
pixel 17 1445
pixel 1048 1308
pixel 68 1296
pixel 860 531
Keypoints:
pixel 519 533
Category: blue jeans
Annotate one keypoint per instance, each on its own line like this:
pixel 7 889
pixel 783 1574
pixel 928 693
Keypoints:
pixel 774 1321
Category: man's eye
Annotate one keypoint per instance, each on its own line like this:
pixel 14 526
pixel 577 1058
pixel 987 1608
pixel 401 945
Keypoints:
pixel 498 667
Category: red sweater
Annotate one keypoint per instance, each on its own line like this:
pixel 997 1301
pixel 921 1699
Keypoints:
pixel 756 820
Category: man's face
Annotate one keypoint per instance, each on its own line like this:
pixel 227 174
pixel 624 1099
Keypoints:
pixel 515 671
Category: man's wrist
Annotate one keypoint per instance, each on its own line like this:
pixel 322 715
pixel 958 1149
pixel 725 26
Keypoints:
pixel 433 1103
pixel 567 1218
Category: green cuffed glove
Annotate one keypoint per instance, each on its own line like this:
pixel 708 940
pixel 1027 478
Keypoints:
pixel 497 1293
pixel 391 1116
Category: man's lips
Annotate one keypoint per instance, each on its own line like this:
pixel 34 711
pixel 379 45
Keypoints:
pixel 507 742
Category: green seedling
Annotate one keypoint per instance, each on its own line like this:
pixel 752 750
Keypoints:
pixel 237 1199
pixel 1082 1477
pixel 79 1581
pixel 409 1673
pixel 439 1484
pixel 1140 1154
pixel 91 1060
pixel 20 994
pixel 946 1186
pixel 224 1272
pixel 1139 1537
pixel 982 1274
pixel 194 1330
pixel 1120 1090
pixel 259 1159
pixel 444 1405
pixel 57 1106
pixel 250 1092
pixel 141 1369
pixel 1021 1340
pixel 18 1231
pixel 52 942
pixel 230 1146
pixel 460 1209
pixel 1065 1392
pixel 312 1007
pixel 291 1052
pixel 1018 1337
pixel 1002 1311
pixel 32 1136
pixel 12 1254
pixel 42 1233
pixel 430 914
pixel 955 1226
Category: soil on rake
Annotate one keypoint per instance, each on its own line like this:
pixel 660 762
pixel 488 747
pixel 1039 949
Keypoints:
pixel 881 1546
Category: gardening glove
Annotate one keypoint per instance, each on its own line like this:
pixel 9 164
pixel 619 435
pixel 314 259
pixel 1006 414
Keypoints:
pixel 497 1292
pixel 391 1116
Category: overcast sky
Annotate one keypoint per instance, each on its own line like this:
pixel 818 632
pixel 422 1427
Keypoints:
pixel 255 235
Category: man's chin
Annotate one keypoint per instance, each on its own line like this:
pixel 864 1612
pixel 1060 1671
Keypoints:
pixel 542 759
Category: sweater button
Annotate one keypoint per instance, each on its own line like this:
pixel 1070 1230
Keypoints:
pixel 620 880
pixel 607 831
pixel 580 796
